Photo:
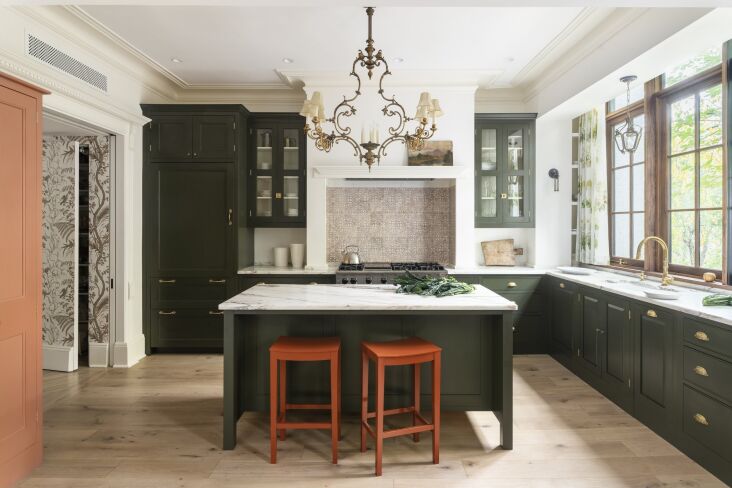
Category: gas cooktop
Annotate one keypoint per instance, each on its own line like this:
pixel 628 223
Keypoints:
pixel 383 273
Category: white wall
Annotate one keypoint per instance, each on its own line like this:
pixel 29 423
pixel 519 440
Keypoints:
pixel 267 239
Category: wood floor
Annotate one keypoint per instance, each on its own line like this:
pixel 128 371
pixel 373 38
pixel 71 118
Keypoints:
pixel 159 425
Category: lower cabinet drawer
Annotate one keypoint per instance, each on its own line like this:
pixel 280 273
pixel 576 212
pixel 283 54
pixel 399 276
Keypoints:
pixel 708 422
pixel 710 373
pixel 712 337
pixel 501 284
pixel 187 328
pixel 170 290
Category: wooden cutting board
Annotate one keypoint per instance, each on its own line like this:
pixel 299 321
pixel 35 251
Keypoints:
pixel 499 253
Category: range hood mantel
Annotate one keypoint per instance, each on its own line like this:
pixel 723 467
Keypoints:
pixel 388 172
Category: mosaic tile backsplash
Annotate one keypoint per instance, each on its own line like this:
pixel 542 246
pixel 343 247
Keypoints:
pixel 392 224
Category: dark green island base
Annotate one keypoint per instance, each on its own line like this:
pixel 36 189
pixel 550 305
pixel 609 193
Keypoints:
pixel 476 359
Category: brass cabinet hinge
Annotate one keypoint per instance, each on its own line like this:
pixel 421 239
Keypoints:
pixel 234 124
pixel 234 147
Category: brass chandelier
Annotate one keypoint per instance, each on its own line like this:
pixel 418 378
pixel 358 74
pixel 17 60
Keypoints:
pixel 370 151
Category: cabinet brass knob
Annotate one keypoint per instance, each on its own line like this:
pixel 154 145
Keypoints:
pixel 701 336
pixel 162 312
pixel 166 281
pixel 701 370
pixel 211 280
pixel 261 283
pixel 511 284
pixel 700 419
pixel 313 283
pixel 652 314
pixel 211 312
pixel 278 195
pixel 561 285
pixel 504 195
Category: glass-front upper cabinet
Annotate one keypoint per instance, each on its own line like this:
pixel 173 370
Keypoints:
pixel 277 171
pixel 504 161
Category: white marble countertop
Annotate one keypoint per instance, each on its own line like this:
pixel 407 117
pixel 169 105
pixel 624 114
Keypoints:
pixel 496 270
pixel 358 297
pixel 689 301
pixel 273 270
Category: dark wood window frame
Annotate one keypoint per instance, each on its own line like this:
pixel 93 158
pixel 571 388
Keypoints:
pixel 656 209
pixel 614 118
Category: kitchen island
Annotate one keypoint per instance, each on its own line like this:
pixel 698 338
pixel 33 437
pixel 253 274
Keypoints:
pixel 474 331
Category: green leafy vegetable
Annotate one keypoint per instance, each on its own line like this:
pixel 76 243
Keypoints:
pixel 443 286
pixel 717 299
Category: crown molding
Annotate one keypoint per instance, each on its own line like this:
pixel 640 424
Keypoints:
pixel 457 79
pixel 613 23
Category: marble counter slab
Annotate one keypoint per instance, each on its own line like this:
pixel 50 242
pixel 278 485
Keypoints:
pixel 358 297
pixel 496 270
pixel 689 301
pixel 273 270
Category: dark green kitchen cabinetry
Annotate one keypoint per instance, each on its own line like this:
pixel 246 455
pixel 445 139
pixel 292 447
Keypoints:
pixel 193 237
pixel 564 313
pixel 530 324
pixel 179 138
pixel 590 331
pixel 277 169
pixel 504 170
pixel 654 375
pixel 616 351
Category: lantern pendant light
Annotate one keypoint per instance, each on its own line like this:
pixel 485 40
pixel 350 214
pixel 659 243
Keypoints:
pixel 628 135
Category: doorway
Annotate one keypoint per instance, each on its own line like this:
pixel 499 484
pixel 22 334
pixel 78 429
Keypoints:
pixel 77 244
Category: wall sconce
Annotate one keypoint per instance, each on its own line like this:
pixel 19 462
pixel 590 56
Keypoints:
pixel 554 174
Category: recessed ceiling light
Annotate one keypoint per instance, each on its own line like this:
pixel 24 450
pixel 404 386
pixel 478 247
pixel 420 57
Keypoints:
pixel 510 59
pixel 398 60
pixel 287 60
pixel 176 60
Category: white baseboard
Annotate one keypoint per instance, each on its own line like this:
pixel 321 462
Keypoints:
pixel 98 355
pixel 127 354
pixel 58 358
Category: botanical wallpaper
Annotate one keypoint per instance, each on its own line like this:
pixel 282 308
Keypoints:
pixel 99 238
pixel 59 234
pixel 592 223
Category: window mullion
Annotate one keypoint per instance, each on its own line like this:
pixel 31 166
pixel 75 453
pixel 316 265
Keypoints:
pixel 697 180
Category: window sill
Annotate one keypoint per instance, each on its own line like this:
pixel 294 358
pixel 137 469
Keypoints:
pixel 678 279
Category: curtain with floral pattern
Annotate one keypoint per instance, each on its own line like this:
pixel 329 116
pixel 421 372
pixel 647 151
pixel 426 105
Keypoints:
pixel 592 245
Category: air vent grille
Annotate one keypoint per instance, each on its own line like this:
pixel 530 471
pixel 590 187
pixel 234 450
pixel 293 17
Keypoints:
pixel 68 64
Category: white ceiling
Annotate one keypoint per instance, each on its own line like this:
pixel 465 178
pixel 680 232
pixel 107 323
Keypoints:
pixel 244 45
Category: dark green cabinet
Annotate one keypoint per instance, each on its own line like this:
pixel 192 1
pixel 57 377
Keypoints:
pixel 590 331
pixel 616 346
pixel 277 171
pixel 504 171
pixel 181 138
pixel 654 333
pixel 191 219
pixel 192 230
pixel 564 300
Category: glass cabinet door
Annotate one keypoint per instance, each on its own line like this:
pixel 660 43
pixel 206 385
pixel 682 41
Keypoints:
pixel 264 161
pixel 515 207
pixel 291 141
pixel 487 174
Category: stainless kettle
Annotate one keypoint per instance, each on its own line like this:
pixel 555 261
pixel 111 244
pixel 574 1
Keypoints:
pixel 350 256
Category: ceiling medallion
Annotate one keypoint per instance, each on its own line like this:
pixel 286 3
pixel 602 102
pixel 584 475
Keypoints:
pixel 369 151
pixel 628 135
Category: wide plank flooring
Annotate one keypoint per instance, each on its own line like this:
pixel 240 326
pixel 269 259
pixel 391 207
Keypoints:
pixel 159 425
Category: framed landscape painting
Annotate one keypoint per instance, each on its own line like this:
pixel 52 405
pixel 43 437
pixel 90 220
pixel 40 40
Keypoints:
pixel 434 153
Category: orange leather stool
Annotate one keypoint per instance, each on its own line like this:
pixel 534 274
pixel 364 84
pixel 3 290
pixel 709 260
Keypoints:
pixel 303 349
pixel 413 351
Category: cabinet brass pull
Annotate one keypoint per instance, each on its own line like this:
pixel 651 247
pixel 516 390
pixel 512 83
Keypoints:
pixel 211 312
pixel 313 283
pixel 561 285
pixel 278 195
pixel 700 419
pixel 229 214
pixel 702 336
pixel 211 280
pixel 701 371
pixel 166 281
pixel 504 195
pixel 652 314
pixel 511 284
pixel 162 312
pixel 261 283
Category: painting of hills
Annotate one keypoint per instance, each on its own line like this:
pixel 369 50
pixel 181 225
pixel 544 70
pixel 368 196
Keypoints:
pixel 434 153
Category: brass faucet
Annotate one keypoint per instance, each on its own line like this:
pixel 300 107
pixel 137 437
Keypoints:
pixel 665 279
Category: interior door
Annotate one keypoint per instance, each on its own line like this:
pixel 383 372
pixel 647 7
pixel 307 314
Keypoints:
pixel 20 282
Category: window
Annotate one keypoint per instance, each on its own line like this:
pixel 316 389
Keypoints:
pixel 626 177
pixel 621 101
pixel 676 176
pixel 693 66
pixel 694 175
